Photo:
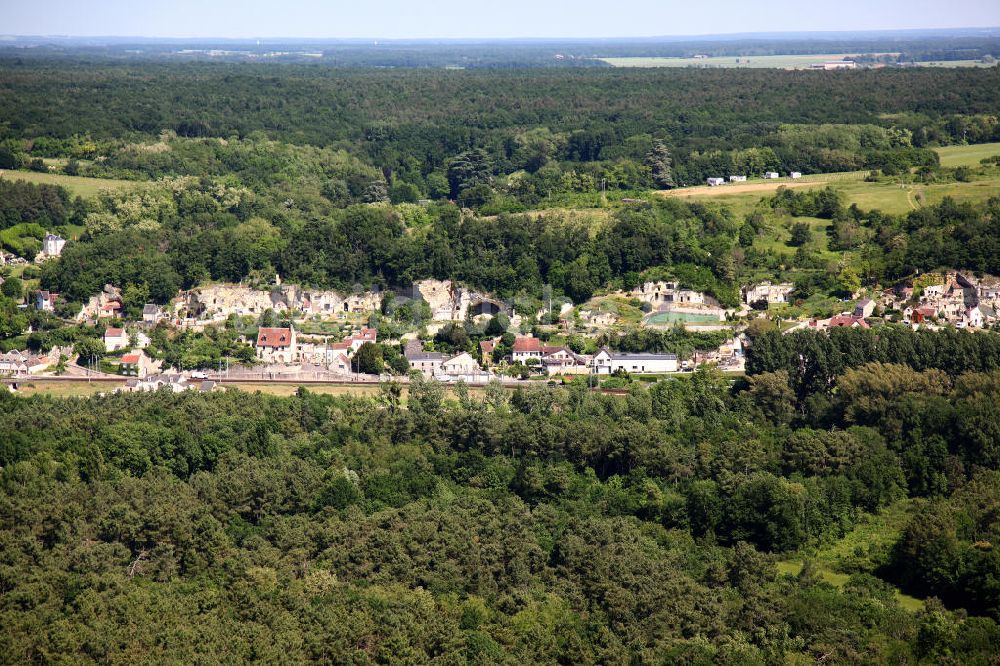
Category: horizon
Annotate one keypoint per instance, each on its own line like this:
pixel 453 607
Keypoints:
pixel 396 20
pixel 716 36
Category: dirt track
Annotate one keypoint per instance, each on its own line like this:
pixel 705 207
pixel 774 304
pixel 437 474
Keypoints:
pixel 744 188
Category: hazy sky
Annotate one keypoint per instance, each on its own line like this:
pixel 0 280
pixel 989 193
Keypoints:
pixel 472 18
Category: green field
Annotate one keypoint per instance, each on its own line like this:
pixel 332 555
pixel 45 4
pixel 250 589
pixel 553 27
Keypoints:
pixel 751 62
pixel 956 156
pixel 77 185
pixel 887 196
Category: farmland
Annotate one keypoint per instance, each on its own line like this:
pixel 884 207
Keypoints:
pixel 768 61
pixel 746 62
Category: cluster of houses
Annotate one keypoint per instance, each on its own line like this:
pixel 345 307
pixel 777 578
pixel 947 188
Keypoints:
pixel 961 300
pixel 767 175
pixel 281 346
pixel 533 353
pixel 22 363
pixel 176 383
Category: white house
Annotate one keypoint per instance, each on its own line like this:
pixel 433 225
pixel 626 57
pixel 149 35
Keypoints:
pixel 606 362
pixel 713 182
pixel 276 345
pixel 526 348
pixel 46 300
pixel 771 175
pixel 462 364
pixel 52 245
pixel 796 174
pixel 361 337
pixel 974 317
pixel 115 339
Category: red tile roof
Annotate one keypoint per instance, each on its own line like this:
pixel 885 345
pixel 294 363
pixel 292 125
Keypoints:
pixel 527 345
pixel 366 335
pixel 487 346
pixel 114 332
pixel 847 321
pixel 131 359
pixel 274 337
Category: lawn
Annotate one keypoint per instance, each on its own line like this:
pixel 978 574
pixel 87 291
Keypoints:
pixel 77 185
pixel 956 156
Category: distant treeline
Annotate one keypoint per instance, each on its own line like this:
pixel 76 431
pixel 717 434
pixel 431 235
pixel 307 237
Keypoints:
pixel 419 120
pixel 508 54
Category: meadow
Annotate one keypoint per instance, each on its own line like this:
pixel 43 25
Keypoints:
pixel 970 155
pixel 888 196
pixel 81 186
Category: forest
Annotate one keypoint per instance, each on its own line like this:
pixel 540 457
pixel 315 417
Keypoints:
pixel 534 525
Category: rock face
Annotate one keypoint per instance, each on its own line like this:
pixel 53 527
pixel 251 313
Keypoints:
pixel 451 302
pixel 448 301
pixel 222 300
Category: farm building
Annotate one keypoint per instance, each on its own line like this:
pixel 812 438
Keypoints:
pixel 737 179
pixel 771 175
pixel 796 174
pixel 837 64
pixel 716 181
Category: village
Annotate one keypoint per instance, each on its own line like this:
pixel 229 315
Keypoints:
pixel 300 334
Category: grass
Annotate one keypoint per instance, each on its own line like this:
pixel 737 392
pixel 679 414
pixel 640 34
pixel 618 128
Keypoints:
pixel 77 185
pixel 749 62
pixel 888 196
pixel 956 156
pixel 895 199
pixel 858 550
pixel 65 389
